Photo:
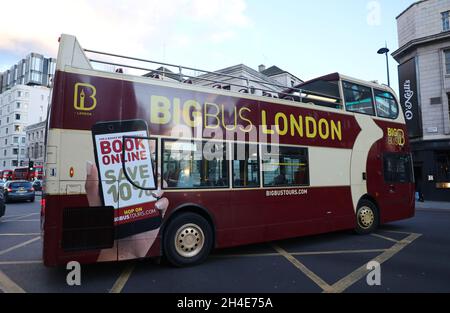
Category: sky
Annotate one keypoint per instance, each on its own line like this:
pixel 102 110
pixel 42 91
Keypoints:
pixel 306 38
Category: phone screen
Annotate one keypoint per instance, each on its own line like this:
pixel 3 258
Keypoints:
pixel 135 211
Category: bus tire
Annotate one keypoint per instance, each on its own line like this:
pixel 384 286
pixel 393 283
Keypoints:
pixel 187 240
pixel 367 217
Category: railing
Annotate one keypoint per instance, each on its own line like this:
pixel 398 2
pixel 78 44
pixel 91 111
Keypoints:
pixel 269 89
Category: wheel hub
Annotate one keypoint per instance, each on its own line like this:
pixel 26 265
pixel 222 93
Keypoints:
pixel 189 240
pixel 365 217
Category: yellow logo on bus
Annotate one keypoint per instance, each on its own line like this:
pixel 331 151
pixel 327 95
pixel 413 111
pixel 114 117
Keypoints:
pixel 396 137
pixel 84 97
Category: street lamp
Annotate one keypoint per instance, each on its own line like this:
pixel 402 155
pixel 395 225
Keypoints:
pixel 385 51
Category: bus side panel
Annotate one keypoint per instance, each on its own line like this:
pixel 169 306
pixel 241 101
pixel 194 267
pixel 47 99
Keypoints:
pixel 395 201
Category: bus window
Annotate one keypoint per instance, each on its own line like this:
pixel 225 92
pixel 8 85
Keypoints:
pixel 386 104
pixel 398 168
pixel 245 166
pixel 285 166
pixel 358 98
pixel 194 164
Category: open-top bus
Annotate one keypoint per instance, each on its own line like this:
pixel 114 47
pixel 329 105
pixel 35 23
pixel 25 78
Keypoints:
pixel 141 167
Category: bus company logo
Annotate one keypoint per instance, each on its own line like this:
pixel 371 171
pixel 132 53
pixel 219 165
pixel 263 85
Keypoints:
pixel 396 137
pixel 84 99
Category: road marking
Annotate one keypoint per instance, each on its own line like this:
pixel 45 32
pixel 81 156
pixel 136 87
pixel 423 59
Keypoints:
pixel 20 217
pixel 385 238
pixel 20 245
pixel 297 253
pixel 10 221
pixel 8 286
pixel 20 262
pixel 123 278
pixel 21 234
pixel 362 271
pixel 311 275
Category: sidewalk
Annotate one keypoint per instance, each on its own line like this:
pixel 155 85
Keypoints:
pixel 433 205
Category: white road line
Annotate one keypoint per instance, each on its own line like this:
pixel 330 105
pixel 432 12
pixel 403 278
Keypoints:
pixel 20 262
pixel 123 278
pixel 19 245
pixel 311 275
pixel 385 237
pixel 362 271
pixel 20 217
pixel 8 286
pixel 10 221
pixel 21 234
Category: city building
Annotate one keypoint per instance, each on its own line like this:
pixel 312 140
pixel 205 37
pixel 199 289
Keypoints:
pixel 20 106
pixel 35 69
pixel 239 77
pixel 35 135
pixel 424 81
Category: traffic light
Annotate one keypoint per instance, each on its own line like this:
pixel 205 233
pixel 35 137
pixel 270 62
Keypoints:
pixel 31 165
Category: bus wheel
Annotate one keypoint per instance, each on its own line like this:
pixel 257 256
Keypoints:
pixel 188 239
pixel 366 217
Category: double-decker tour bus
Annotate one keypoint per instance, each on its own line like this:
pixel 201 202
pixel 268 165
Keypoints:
pixel 37 172
pixel 138 166
pixel 21 173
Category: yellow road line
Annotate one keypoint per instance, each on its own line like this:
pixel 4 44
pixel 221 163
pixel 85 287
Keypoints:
pixel 385 237
pixel 311 275
pixel 362 271
pixel 339 252
pixel 20 245
pixel 297 253
pixel 8 286
pixel 123 278
pixel 20 262
pixel 20 234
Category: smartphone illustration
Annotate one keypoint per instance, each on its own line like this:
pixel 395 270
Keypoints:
pixel 124 162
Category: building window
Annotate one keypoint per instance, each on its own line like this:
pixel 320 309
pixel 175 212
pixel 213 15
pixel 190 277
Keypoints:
pixel 445 21
pixel 18 105
pixel 285 166
pixel 443 167
pixel 358 98
pixel 19 94
pixel 7 120
pixel 16 139
pixel 23 140
pixel 15 151
pixel 14 163
pixel 4 152
pixel 447 61
pixel 17 117
pixel 6 141
pixel 16 128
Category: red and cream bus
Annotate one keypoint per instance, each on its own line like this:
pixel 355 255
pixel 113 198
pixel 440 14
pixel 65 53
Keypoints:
pixel 140 167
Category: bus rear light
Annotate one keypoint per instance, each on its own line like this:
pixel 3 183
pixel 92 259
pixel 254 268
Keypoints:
pixel 43 207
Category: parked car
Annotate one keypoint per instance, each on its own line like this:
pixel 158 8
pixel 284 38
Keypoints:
pixel 2 183
pixel 2 204
pixel 37 185
pixel 18 190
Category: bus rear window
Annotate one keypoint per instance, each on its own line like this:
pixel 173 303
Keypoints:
pixel 285 166
pixel 398 168
pixel 195 164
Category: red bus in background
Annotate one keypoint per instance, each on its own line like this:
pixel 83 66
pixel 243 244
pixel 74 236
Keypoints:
pixel 7 174
pixel 36 173
pixel 21 173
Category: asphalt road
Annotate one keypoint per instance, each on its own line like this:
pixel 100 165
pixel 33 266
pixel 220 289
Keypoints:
pixel 414 257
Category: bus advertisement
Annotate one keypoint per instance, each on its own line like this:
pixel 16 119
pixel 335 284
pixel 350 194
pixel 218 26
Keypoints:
pixel 141 167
